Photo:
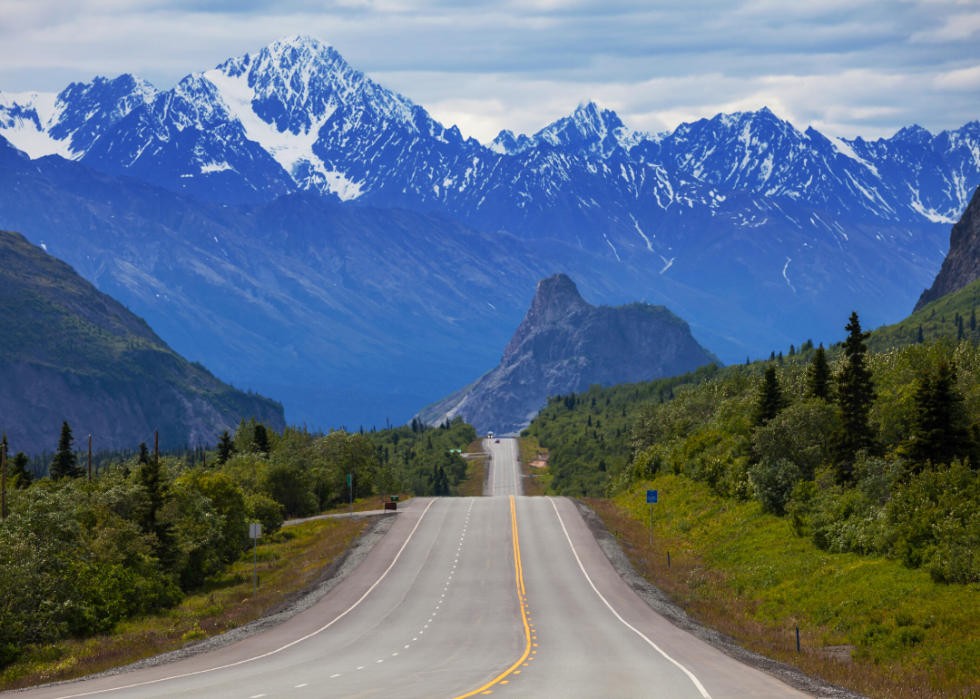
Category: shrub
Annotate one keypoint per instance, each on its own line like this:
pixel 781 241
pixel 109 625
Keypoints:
pixel 773 482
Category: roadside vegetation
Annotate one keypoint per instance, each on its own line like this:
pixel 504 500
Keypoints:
pixel 83 559
pixel 835 489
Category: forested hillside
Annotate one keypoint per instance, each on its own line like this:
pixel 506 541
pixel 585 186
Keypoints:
pixel 874 453
pixel 77 556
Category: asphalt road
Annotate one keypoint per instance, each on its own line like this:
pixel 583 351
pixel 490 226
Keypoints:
pixel 505 472
pixel 509 596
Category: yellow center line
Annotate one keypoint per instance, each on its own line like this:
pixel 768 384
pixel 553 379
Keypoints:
pixel 519 581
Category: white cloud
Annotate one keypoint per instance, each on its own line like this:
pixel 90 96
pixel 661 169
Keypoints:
pixel 850 68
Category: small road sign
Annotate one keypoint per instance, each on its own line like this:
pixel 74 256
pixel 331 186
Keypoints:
pixel 651 497
pixel 255 531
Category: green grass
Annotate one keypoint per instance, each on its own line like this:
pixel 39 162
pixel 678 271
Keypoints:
pixel 747 574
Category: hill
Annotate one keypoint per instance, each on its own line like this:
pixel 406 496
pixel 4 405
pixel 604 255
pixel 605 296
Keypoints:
pixel 566 345
pixel 70 352
pixel 962 265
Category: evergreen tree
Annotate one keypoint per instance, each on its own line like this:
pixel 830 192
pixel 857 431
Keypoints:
pixel 779 357
pixel 919 339
pixel 959 329
pixel 772 356
pixel 855 394
pixel 18 476
pixel 747 362
pixel 770 398
pixel 262 439
pixel 415 425
pixel 144 457
pixel 941 430
pixel 818 376
pixel 589 421
pixel 157 493
pixel 65 463
pixel 225 447
pixel 792 351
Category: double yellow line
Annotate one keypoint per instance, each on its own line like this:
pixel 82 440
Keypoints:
pixel 519 580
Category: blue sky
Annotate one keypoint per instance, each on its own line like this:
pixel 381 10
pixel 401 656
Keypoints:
pixel 846 68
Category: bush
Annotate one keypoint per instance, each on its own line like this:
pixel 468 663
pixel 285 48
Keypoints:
pixel 264 509
pixel 799 434
pixel 773 483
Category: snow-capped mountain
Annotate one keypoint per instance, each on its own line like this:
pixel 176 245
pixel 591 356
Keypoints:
pixel 795 227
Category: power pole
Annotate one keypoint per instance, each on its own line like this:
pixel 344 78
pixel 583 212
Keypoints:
pixel 90 458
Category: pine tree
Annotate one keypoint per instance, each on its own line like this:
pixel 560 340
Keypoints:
pixel 261 438
pixel 17 474
pixel 919 339
pixel 65 463
pixel 818 376
pixel 415 425
pixel 157 493
pixel 855 394
pixel 941 431
pixel 226 447
pixel 772 356
pixel 770 400
pixel 792 351
pixel 589 421
pixel 144 457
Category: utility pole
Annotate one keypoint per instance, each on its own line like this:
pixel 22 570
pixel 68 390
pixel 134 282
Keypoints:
pixel 90 458
pixel 3 482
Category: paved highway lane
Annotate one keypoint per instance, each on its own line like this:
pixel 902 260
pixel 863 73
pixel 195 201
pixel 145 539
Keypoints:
pixel 463 597
pixel 505 471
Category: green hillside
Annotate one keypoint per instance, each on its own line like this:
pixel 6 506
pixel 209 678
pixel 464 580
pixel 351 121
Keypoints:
pixel 939 319
pixel 70 352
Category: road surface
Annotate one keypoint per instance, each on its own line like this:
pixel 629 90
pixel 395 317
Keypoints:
pixel 509 596
pixel 505 471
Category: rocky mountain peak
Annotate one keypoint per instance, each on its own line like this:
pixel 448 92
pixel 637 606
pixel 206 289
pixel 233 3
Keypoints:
pixel 565 344
pixel 962 264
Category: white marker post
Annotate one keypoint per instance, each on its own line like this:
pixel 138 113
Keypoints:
pixel 255 533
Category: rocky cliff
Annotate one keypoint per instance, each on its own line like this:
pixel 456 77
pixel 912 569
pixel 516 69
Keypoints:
pixel 564 345
pixel 70 352
pixel 962 264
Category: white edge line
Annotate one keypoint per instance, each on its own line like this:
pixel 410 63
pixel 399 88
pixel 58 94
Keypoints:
pixel 271 652
pixel 687 672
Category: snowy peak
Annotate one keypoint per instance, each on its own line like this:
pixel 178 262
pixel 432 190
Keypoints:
pixel 912 134
pixel 68 124
pixel 589 131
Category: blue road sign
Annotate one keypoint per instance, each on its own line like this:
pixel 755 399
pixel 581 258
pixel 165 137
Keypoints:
pixel 651 497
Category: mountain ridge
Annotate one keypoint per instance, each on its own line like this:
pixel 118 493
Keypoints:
pixel 565 345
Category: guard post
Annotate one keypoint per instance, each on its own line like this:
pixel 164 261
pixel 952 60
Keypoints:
pixel 255 533
pixel 651 501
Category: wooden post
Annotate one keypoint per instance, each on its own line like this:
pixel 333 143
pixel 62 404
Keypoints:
pixel 3 482
pixel 156 445
pixel 90 458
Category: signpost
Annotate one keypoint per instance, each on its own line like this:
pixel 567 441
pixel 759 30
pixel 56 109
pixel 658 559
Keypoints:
pixel 651 500
pixel 255 533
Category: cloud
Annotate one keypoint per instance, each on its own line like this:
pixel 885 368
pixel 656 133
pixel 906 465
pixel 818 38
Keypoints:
pixel 849 67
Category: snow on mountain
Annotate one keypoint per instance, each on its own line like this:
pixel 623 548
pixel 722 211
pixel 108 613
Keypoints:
pixel 68 123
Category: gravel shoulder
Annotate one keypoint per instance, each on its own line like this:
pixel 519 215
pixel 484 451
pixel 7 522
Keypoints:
pixel 665 607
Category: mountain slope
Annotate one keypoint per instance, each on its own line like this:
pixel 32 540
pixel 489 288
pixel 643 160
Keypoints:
pixel 962 265
pixel 73 353
pixel 566 345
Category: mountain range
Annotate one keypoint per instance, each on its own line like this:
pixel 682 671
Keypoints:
pixel 755 232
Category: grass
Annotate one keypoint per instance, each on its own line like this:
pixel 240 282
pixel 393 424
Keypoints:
pixel 476 472
pixel 536 480
pixel 288 561
pixel 746 574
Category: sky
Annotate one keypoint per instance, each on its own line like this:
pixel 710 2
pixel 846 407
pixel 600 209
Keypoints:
pixel 847 68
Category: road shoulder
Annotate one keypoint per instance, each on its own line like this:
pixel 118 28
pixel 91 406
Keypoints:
pixel 660 603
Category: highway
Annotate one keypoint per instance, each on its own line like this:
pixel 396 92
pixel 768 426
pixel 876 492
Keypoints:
pixel 504 595
pixel 505 471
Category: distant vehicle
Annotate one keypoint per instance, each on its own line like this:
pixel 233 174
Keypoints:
pixel 496 441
